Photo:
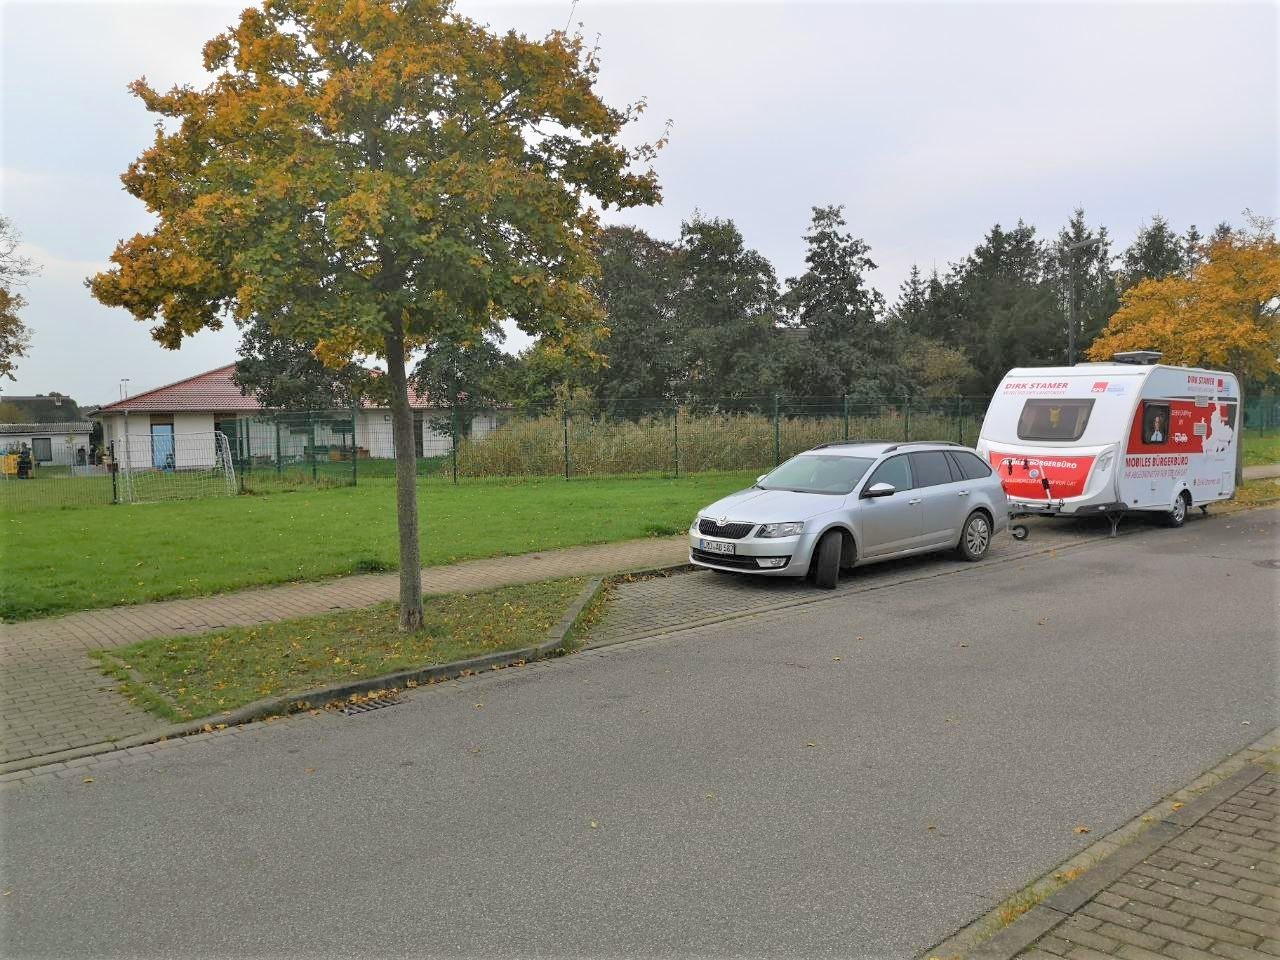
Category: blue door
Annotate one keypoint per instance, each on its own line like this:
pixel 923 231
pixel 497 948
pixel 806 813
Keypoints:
pixel 162 445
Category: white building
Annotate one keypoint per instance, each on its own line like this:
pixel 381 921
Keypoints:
pixel 172 427
pixel 51 444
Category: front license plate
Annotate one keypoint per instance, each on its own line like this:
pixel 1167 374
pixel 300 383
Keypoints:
pixel 715 546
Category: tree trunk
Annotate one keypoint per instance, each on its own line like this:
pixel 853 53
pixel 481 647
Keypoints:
pixel 406 483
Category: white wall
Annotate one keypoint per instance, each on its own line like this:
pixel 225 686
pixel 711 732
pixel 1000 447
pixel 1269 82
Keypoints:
pixel 64 454
pixel 193 444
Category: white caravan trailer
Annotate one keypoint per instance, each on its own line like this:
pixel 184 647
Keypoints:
pixel 1113 437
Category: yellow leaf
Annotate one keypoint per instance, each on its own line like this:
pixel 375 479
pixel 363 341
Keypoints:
pixel 1082 829
pixel 88 779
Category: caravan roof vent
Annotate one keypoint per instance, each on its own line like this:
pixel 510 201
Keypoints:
pixel 1140 357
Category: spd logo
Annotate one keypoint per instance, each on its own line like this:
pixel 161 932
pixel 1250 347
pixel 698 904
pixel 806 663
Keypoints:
pixel 1180 438
pixel 1100 387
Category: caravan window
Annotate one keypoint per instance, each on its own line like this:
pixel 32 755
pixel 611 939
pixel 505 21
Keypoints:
pixel 1155 423
pixel 1054 419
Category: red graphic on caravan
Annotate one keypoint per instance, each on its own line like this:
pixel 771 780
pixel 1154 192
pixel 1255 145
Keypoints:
pixel 1041 478
pixel 1180 426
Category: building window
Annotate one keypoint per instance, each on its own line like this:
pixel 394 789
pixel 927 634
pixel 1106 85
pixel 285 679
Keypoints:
pixel 42 449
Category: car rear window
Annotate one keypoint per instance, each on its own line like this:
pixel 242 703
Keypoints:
pixel 971 467
pixel 1054 419
pixel 929 468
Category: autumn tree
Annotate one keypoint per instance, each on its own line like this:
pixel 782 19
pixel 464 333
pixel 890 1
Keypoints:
pixel 1225 315
pixel 378 175
pixel 14 272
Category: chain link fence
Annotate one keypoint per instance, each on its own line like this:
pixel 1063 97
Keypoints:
pixel 616 437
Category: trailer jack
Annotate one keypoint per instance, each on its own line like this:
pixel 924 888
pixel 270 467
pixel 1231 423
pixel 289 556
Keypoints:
pixel 1115 516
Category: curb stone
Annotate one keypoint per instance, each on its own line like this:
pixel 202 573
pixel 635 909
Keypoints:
pixel 277 706
pixel 1105 860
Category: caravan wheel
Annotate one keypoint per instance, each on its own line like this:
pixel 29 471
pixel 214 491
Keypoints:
pixel 1178 515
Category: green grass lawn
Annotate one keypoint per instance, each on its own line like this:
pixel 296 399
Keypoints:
pixel 1260 450
pixel 185 678
pixel 55 561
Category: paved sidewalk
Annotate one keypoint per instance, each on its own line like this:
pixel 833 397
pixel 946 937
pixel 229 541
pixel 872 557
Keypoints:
pixel 1210 892
pixel 53 698
pixel 1263 472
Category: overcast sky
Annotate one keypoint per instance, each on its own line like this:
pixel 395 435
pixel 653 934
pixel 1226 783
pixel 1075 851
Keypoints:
pixel 928 121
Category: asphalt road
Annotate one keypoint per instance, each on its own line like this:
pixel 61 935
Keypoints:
pixel 759 787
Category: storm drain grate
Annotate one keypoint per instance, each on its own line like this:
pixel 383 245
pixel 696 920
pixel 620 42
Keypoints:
pixel 373 703
pixel 1268 564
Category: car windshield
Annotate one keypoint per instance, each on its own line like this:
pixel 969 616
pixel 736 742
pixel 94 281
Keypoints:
pixel 817 473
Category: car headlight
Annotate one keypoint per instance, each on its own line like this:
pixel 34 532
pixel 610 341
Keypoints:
pixel 793 529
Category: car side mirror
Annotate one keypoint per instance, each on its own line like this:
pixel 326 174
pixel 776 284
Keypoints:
pixel 880 490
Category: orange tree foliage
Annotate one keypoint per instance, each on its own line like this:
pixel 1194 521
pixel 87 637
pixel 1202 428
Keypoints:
pixel 1225 315
pixel 376 175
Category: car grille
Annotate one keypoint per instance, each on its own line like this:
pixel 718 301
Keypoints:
pixel 729 531
pixel 730 561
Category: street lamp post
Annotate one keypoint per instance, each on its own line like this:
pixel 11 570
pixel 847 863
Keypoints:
pixel 1074 323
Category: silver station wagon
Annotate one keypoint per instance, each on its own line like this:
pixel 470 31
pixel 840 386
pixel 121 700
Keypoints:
pixel 845 504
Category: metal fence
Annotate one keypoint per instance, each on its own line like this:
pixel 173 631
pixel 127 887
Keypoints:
pixel 136 469
pixel 1262 415
pixel 602 438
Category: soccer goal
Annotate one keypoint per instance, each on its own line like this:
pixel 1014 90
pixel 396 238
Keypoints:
pixel 169 466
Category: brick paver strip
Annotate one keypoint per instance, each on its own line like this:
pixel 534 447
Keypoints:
pixel 1220 899
pixel 53 698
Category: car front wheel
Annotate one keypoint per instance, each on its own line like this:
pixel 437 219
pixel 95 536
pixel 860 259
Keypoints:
pixel 1178 515
pixel 826 561
pixel 975 539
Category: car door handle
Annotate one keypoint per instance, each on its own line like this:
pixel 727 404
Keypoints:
pixel 962 493
pixel 913 502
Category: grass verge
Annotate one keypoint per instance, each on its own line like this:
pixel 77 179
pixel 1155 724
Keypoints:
pixel 57 561
pixel 185 678
pixel 1255 493
pixel 1261 450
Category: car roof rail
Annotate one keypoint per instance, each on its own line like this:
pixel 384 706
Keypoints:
pixel 936 443
pixel 846 443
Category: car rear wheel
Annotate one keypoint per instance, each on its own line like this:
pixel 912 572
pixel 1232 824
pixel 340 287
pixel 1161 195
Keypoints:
pixel 975 538
pixel 826 561
pixel 1178 515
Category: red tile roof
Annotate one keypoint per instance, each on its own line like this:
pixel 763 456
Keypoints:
pixel 213 390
